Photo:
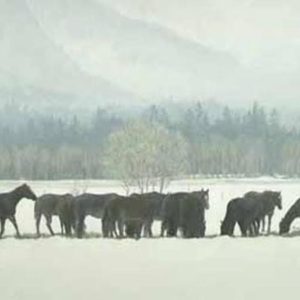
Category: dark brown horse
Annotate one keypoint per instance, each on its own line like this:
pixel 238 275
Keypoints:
pixel 248 212
pixel 9 202
pixel 130 214
pixel 185 212
pixel 269 200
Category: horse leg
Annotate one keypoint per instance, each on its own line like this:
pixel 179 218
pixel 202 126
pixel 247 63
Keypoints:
pixel 162 228
pixel 250 230
pixel 150 233
pixel 243 228
pixel 121 228
pixel 37 224
pixel 269 223
pixel 114 231
pixel 147 228
pixel 105 228
pixel 139 230
pixel 80 226
pixel 2 226
pixel 48 223
pixel 256 226
pixel 68 228
pixel 61 221
pixel 263 224
pixel 14 222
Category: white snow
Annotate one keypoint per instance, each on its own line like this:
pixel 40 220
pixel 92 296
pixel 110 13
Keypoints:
pixel 211 268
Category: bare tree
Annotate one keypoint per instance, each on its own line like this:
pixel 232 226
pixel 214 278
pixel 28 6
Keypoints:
pixel 146 155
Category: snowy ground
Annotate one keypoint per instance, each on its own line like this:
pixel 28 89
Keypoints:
pixel 210 268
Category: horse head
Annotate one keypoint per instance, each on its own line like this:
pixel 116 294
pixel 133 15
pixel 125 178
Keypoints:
pixel 284 227
pixel 26 192
pixel 227 227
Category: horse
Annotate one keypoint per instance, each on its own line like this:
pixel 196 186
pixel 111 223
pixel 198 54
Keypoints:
pixel 50 205
pixel 155 201
pixel 248 211
pixel 192 216
pixel 185 212
pixel 234 214
pixel 130 214
pixel 270 200
pixel 8 205
pixel 90 205
pixel 290 216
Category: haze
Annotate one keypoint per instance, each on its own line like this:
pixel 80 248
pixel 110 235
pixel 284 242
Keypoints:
pixel 94 52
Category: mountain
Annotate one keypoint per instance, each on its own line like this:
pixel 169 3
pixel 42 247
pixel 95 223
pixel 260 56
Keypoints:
pixel 263 35
pixel 143 58
pixel 32 65
pixel 93 52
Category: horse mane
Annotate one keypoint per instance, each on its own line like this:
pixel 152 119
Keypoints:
pixel 18 188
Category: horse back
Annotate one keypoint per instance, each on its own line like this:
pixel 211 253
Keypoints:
pixel 51 204
pixel 92 204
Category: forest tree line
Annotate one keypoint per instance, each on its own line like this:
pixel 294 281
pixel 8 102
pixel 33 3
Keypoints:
pixel 250 142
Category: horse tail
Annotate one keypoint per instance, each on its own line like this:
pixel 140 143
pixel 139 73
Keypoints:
pixel 108 220
pixel 230 219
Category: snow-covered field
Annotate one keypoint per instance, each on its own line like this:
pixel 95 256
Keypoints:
pixel 211 268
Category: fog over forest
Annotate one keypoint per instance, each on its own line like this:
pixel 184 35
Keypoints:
pixel 223 76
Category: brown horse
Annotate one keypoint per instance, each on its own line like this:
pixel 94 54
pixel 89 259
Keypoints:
pixel 50 205
pixel 9 202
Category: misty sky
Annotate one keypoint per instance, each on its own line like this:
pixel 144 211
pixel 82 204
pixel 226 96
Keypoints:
pixel 263 33
pixel 151 50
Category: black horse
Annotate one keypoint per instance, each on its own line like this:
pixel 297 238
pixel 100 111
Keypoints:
pixel 185 212
pixel 90 205
pixel 9 202
pixel 290 216
pixel 249 210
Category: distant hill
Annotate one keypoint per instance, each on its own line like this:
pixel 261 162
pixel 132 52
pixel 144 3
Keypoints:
pixel 34 68
pixel 87 53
